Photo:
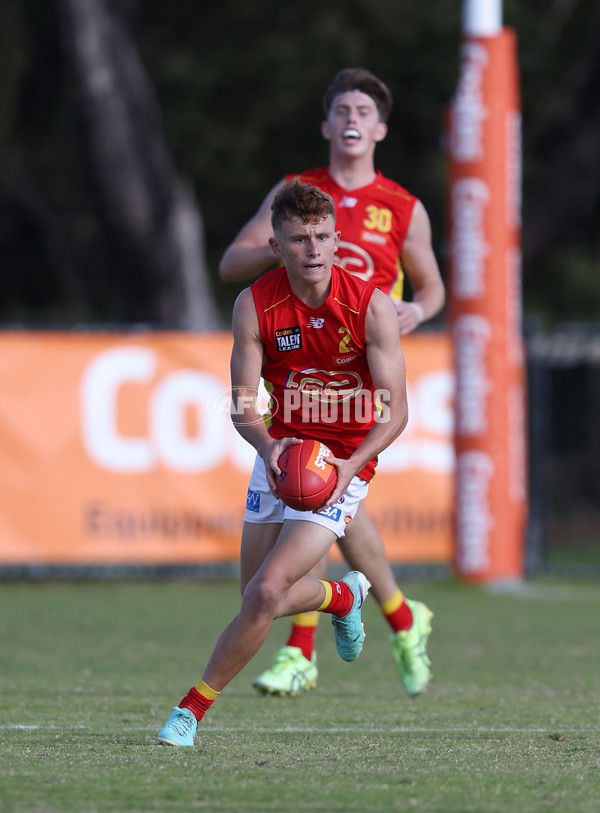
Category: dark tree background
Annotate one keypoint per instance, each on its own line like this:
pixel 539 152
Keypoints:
pixel 137 136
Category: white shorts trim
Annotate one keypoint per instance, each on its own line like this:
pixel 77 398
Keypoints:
pixel 263 507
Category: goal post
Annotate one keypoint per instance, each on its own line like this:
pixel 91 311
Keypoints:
pixel 484 214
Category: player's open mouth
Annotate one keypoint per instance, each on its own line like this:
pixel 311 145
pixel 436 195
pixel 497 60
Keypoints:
pixel 349 133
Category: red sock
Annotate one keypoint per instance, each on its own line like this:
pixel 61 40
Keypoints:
pixel 397 612
pixel 197 702
pixel 302 633
pixel 338 599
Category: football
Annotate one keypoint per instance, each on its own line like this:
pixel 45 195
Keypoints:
pixel 306 479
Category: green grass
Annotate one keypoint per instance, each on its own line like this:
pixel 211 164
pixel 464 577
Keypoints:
pixel 578 554
pixel 88 672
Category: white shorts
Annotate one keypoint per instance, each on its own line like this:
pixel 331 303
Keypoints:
pixel 263 507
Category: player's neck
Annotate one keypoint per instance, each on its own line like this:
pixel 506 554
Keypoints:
pixel 352 173
pixel 311 294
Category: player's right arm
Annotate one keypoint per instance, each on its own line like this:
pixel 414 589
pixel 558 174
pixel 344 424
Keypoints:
pixel 246 365
pixel 250 254
pixel 420 264
pixel 388 373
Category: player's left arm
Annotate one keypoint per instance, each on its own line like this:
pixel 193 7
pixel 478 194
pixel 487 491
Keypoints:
pixel 421 268
pixel 388 371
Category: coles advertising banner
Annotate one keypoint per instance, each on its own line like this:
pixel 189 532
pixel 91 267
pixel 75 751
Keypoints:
pixel 119 449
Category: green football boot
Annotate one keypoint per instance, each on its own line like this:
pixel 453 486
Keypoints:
pixel 290 674
pixel 410 650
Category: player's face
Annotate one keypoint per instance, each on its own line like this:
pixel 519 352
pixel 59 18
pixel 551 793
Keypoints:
pixel 352 126
pixel 307 249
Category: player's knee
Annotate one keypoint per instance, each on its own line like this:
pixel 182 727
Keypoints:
pixel 263 594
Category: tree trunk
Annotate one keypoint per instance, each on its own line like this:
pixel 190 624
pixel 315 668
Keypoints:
pixel 149 215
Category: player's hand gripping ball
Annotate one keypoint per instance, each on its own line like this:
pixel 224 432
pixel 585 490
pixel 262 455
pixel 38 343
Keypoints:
pixel 306 479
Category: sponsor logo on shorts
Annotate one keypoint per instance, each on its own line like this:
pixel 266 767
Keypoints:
pixel 347 519
pixel 331 513
pixel 253 501
pixel 288 338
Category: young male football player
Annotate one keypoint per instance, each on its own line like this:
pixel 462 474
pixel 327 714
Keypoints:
pixel 280 545
pixel 385 233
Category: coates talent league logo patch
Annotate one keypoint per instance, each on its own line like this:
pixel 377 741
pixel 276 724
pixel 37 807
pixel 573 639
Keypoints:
pixel 288 338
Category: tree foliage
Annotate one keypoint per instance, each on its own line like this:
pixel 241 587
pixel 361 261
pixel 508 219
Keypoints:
pixel 227 99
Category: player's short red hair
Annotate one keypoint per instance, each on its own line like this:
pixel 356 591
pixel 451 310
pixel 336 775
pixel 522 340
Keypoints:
pixel 302 200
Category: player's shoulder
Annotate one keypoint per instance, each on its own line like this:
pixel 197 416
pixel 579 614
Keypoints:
pixel 380 313
pixel 393 190
pixel 270 280
pixel 244 311
pixel 272 288
pixel 316 177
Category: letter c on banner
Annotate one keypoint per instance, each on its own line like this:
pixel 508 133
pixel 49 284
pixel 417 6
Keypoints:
pixel 168 442
pixel 100 385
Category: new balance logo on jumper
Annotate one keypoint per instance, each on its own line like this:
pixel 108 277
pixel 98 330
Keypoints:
pixel 316 321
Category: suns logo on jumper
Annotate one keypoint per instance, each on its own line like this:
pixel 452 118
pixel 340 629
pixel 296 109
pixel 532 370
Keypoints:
pixel 326 385
pixel 355 259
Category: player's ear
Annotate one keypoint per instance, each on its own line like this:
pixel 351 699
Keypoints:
pixel 381 131
pixel 325 131
pixel 275 246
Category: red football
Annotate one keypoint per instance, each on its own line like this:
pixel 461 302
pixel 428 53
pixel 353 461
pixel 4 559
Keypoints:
pixel 306 479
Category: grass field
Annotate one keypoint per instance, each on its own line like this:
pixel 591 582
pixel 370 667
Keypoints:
pixel 88 672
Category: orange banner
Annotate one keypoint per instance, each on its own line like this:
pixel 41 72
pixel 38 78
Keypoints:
pixel 485 295
pixel 119 449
